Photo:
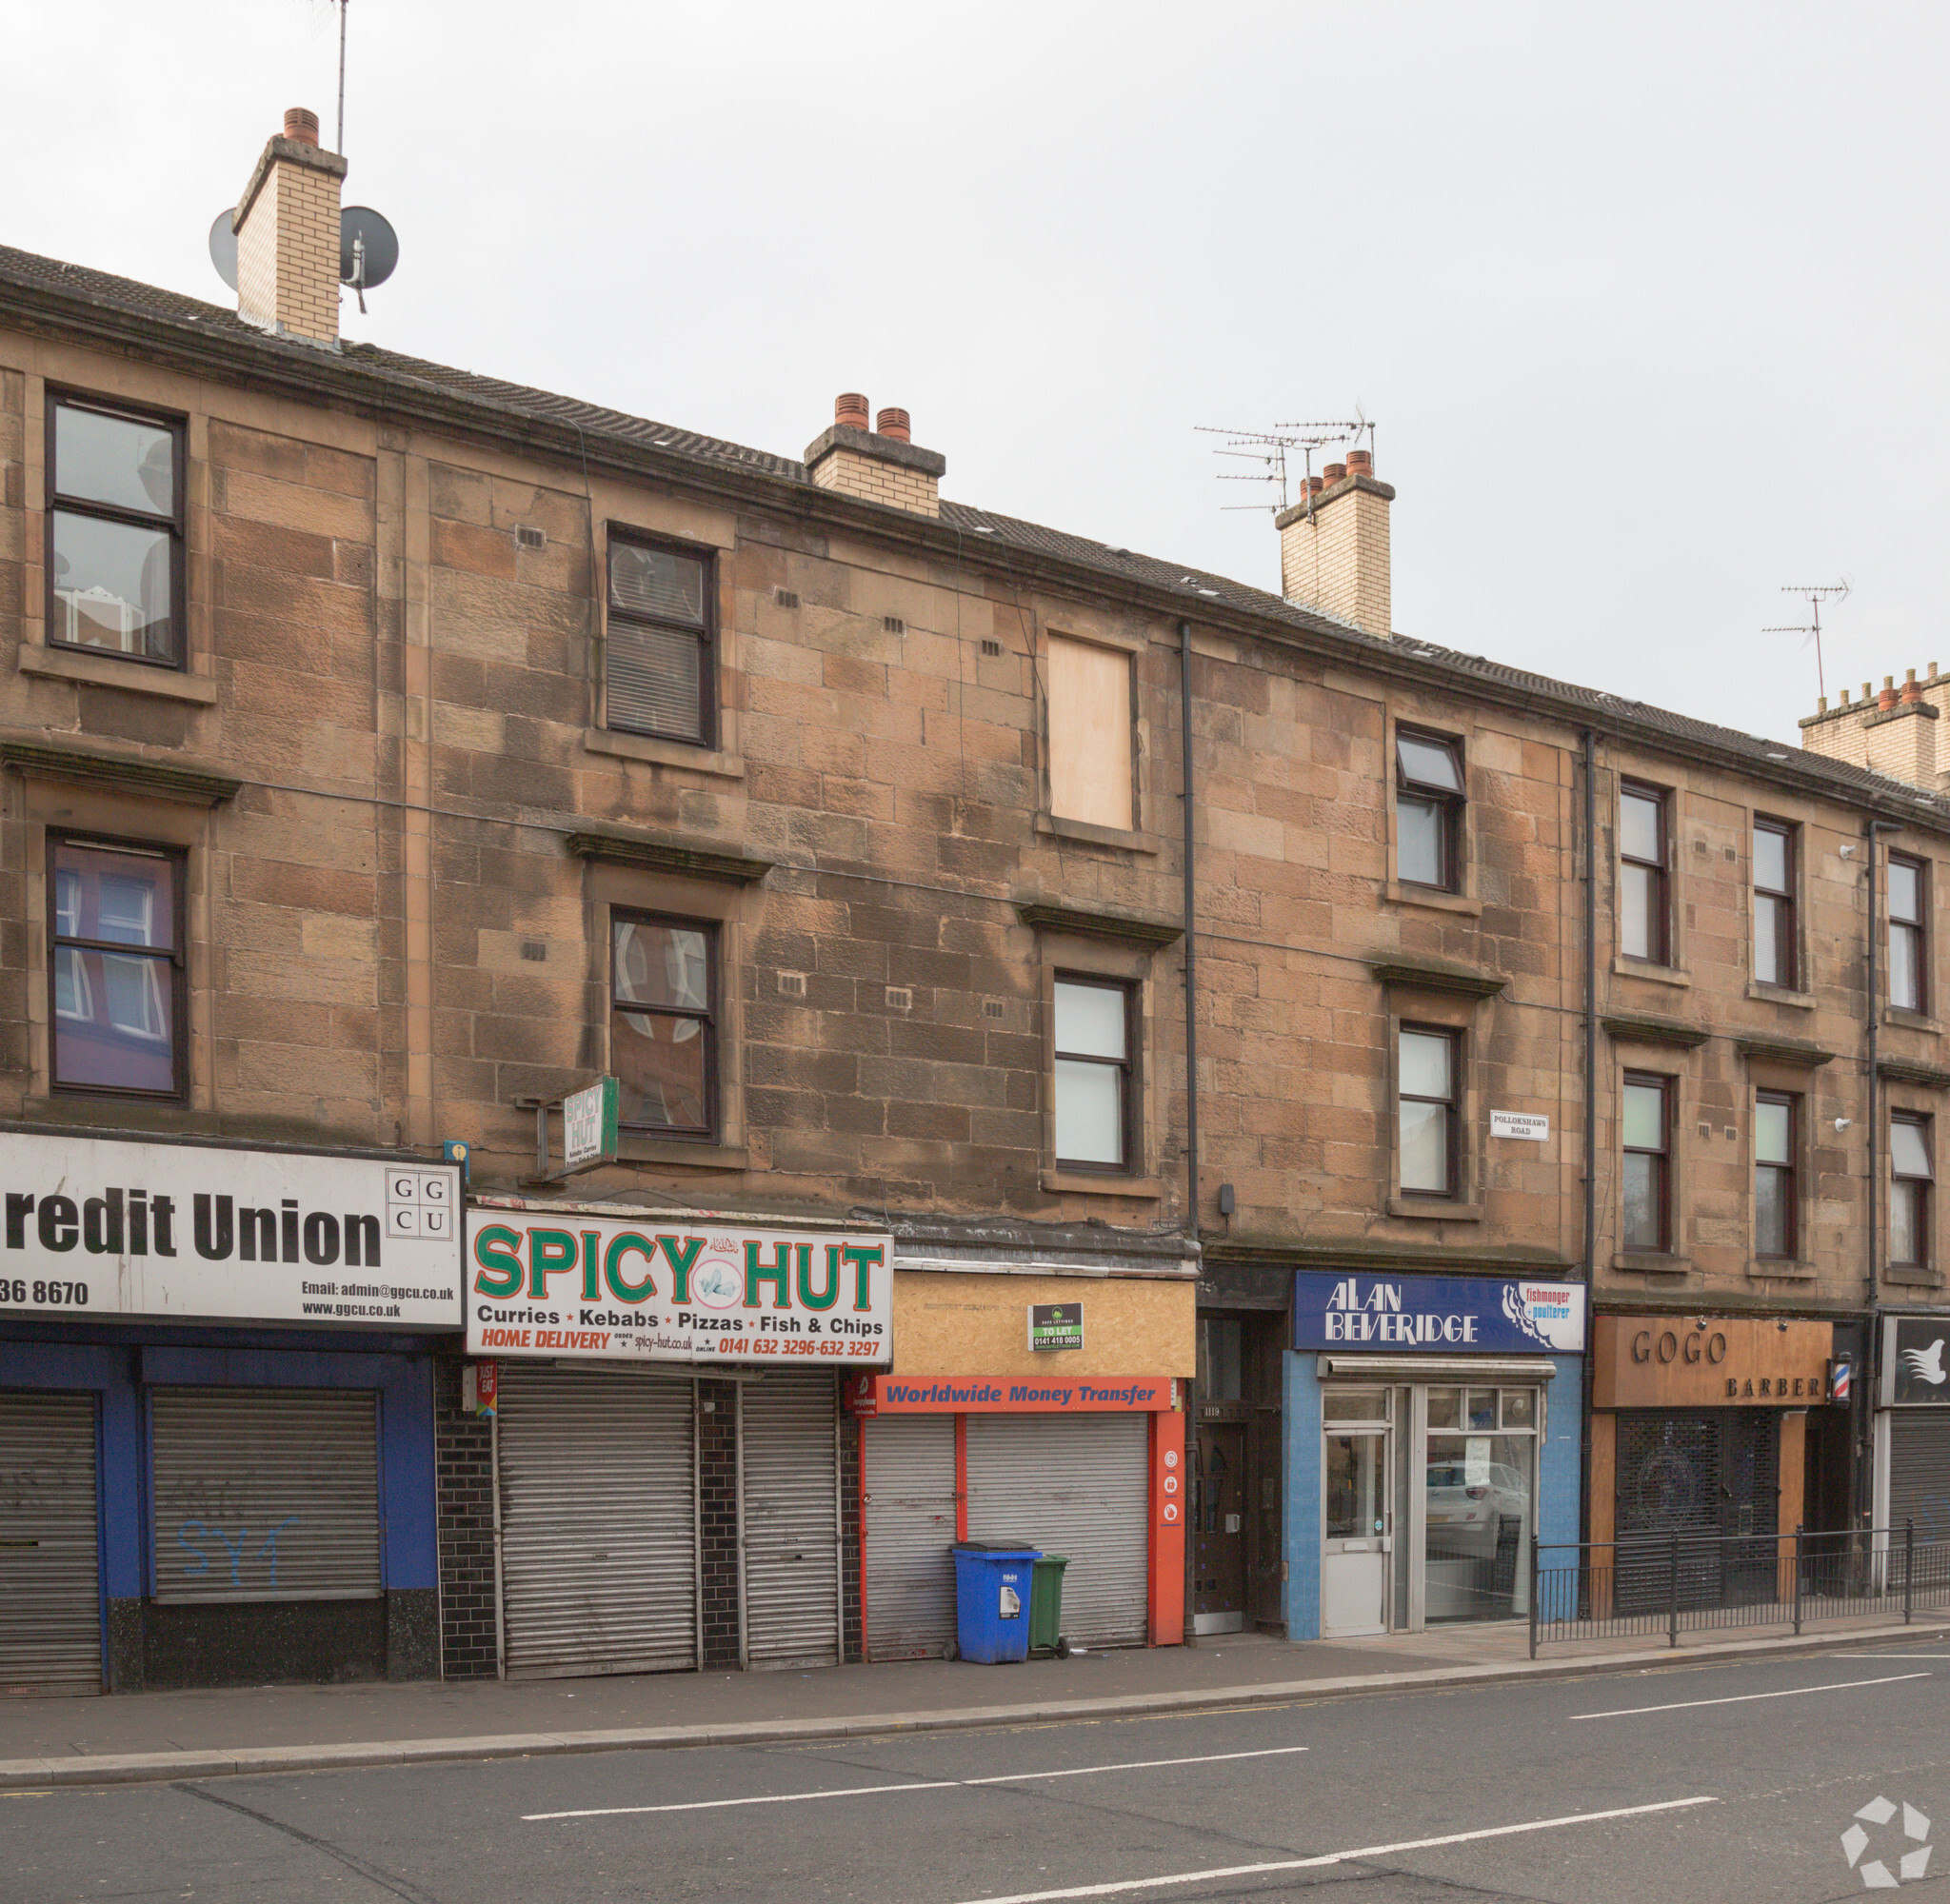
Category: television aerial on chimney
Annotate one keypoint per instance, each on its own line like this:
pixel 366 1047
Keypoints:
pixel 368 250
pixel 1837 591
pixel 1271 449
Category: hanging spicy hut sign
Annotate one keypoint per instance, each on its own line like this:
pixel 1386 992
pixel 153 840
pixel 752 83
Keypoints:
pixel 566 1283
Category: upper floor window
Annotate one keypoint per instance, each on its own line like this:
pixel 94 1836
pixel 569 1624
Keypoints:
pixel 1910 1177
pixel 1426 1119
pixel 1643 927
pixel 1093 1073
pixel 663 1009
pixel 115 531
pixel 1090 734
pixel 659 670
pixel 1428 811
pixel 1774 926
pixel 1908 939
pixel 115 967
pixel 1775 1174
pixel 1648 1163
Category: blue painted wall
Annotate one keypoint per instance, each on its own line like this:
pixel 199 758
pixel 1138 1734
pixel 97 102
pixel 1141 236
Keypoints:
pixel 1558 1485
pixel 117 1371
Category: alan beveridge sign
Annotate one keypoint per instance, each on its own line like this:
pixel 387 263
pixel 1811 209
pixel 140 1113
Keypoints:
pixel 565 1282
pixel 1437 1315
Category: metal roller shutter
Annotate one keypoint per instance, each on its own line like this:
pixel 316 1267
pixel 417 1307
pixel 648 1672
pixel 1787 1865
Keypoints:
pixel 789 1462
pixel 598 1521
pixel 1920 1476
pixel 50 1595
pixel 1072 1484
pixel 907 1471
pixel 265 1494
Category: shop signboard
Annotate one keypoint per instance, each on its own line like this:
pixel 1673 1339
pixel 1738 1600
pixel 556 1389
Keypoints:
pixel 199 1231
pixel 1916 1361
pixel 563 1283
pixel 1011 1394
pixel 1056 1325
pixel 1711 1361
pixel 1435 1315
pixel 589 1125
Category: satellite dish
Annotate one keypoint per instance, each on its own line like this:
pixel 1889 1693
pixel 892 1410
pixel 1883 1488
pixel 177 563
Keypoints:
pixel 368 248
pixel 223 247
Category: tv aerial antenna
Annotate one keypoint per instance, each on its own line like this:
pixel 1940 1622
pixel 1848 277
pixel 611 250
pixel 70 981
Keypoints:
pixel 1271 449
pixel 369 246
pixel 1827 591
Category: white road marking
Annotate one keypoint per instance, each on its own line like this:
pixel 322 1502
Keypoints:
pixel 927 1785
pixel 1130 1884
pixel 1743 1699
pixel 1893 1656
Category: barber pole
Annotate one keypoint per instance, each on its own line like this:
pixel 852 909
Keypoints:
pixel 1841 1375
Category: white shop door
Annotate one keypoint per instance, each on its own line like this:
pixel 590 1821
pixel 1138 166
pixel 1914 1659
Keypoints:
pixel 1072 1484
pixel 598 1521
pixel 51 1593
pixel 265 1494
pixel 789 1470
pixel 907 1472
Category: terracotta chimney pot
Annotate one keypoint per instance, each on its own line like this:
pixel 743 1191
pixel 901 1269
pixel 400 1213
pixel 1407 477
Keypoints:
pixel 302 125
pixel 895 424
pixel 1360 462
pixel 1333 472
pixel 1315 485
pixel 849 410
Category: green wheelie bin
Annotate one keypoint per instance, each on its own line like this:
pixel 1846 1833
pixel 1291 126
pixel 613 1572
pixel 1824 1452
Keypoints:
pixel 1046 1606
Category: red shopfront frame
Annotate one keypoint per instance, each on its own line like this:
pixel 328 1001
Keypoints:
pixel 1160 1398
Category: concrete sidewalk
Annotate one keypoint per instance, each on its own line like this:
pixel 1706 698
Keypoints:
pixel 165 1735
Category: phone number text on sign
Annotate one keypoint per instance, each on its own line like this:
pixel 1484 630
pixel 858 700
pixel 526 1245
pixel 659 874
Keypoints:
pixel 566 1284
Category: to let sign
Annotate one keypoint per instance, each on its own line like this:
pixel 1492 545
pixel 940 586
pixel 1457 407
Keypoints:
pixel 1056 1325
pixel 561 1281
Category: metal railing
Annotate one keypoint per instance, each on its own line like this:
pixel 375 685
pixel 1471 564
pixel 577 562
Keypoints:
pixel 1679 1581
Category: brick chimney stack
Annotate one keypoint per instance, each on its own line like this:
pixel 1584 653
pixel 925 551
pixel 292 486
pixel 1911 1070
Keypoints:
pixel 288 237
pixel 1894 731
pixel 1334 544
pixel 882 465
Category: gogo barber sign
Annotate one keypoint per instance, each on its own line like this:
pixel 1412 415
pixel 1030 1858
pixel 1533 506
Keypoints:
pixel 193 1230
pixel 561 1282
pixel 1435 1315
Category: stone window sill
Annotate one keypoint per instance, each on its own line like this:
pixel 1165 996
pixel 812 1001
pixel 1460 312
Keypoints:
pixel 1776 1269
pixel 1126 839
pixel 1911 1021
pixel 1912 1276
pixel 1651 1262
pixel 1435 1210
pixel 1780 995
pixel 1087 1183
pixel 663 753
pixel 681 1156
pixel 1653 975
pixel 106 670
pixel 1436 902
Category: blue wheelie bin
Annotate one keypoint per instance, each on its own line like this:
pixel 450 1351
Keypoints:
pixel 992 1586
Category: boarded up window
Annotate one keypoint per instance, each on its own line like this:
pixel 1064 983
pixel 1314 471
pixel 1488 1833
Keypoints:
pixel 1090 733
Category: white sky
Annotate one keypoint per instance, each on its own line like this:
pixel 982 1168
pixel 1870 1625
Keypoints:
pixel 1648 303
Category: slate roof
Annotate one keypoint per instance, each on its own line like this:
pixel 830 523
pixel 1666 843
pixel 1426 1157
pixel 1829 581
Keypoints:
pixel 45 280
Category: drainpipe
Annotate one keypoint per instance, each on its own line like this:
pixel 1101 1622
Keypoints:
pixel 1590 1122
pixel 1191 1112
pixel 1860 1407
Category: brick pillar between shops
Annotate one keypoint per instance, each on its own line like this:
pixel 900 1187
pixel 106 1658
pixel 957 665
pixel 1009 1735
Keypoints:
pixel 463 1471
pixel 717 1467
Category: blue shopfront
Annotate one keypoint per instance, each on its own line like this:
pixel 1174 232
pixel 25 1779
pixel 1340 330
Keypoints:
pixel 217 1413
pixel 1432 1432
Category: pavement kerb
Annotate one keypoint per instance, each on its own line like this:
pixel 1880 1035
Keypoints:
pixel 20 1775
